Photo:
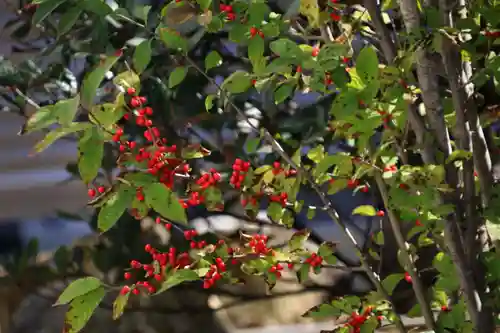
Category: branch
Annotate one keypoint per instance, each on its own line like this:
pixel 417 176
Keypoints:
pixel 417 285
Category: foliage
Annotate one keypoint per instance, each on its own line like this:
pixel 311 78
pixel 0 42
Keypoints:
pixel 442 183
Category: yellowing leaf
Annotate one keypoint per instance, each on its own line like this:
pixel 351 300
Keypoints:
pixel 310 9
pixel 365 210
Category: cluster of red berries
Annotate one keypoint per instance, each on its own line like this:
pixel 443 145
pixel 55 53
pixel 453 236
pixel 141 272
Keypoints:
pixel 280 198
pixel 254 31
pixel 492 34
pixel 215 273
pixel 249 201
pixel 314 260
pixel 357 320
pixel 168 226
pixel 150 272
pixel 228 11
pixel 209 179
pixel 240 169
pixel 258 244
pixel 276 270
pixel 92 192
pixel 391 168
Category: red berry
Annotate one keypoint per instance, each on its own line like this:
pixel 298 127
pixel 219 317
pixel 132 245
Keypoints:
pixel 135 291
pixel 407 277
pixel 91 192
pixel 315 52
pixel 380 213
pixel 131 91
pixel 253 31
pixel 148 248
pixel 127 275
pixel 125 290
pixel 101 189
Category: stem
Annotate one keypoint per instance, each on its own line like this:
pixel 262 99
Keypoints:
pixel 417 285
pixel 324 200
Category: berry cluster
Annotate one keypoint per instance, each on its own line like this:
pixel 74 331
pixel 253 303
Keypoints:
pixel 92 191
pixel 357 320
pixel 314 260
pixel 228 11
pixel 215 273
pixel 209 179
pixel 152 276
pixel 254 31
pixel 276 270
pixel 240 169
pixel 281 198
pixel 258 244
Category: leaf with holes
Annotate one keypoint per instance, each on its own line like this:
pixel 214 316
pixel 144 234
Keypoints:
pixel 177 76
pixel 165 202
pixel 365 210
pixel 367 65
pixel 93 80
pixel 90 153
pixel 177 277
pixel 237 82
pixel 212 60
pixel 142 56
pixel 119 305
pixel 114 207
pixel 78 288
pixel 45 9
pixel 81 309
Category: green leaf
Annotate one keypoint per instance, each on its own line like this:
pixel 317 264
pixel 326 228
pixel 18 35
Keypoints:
pixel 204 4
pixel 283 92
pixel 286 48
pixel 119 305
pixel 63 112
pixel 459 155
pixel 237 82
pixel 367 65
pixel 209 102
pixel 262 169
pixel 78 288
pixel 106 115
pixel 45 9
pixel 81 309
pixel 212 60
pixel 177 277
pixel 142 56
pixel 256 49
pixel 275 211
pixel 90 153
pixel 114 207
pixel 369 326
pixel 268 177
pixel 177 76
pixel 92 82
pixel 165 202
pixel 391 282
pixel 252 144
pixel 323 311
pixel 68 20
pixel 127 79
pixel 172 39
pixel 365 210
pixel 298 239
pixel 58 133
pixel 316 154
pixel 303 273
